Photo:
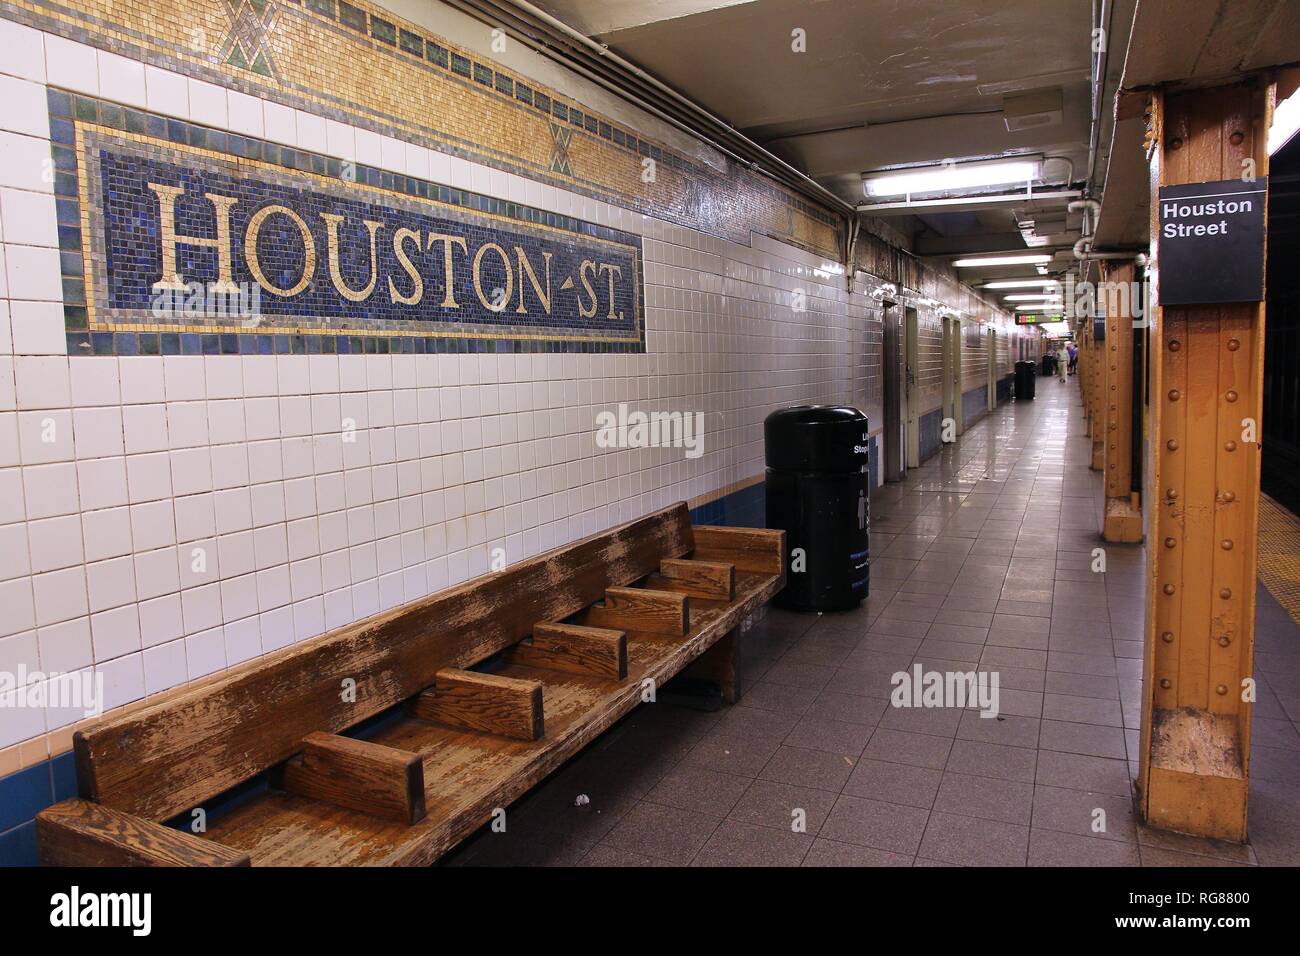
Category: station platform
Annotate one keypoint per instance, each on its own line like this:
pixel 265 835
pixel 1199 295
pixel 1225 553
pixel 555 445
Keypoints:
pixel 983 558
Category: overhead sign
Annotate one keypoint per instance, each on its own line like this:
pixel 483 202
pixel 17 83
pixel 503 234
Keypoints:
pixel 1212 242
pixel 1035 319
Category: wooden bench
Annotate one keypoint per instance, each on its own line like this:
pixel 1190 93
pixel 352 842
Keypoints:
pixel 568 642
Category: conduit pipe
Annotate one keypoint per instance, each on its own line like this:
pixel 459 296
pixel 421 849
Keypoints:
pixel 558 41
pixel 1091 209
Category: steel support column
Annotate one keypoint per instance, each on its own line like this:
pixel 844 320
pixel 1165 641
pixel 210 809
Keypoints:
pixel 1123 516
pixel 1203 488
pixel 1092 374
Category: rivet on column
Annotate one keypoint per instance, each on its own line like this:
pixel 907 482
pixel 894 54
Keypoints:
pixel 1169 589
pixel 1171 493
pixel 1229 496
pixel 1225 544
pixel 1171 542
pixel 1236 138
pixel 1231 395
pixel 1172 444
pixel 1224 640
pixel 1167 637
pixel 1221 689
pixel 1233 345
pixel 1174 345
pixel 1229 446
pixel 1225 593
pixel 1174 395
pixel 1166 683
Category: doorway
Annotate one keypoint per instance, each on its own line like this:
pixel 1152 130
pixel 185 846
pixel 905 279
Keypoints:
pixel 912 351
pixel 895 374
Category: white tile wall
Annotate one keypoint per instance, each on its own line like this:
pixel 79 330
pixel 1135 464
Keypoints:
pixel 192 513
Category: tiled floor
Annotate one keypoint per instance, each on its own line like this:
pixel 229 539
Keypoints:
pixel 981 557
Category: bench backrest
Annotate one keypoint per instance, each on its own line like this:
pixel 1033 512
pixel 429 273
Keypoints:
pixel 197 742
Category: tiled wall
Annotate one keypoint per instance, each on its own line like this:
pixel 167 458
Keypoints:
pixel 172 508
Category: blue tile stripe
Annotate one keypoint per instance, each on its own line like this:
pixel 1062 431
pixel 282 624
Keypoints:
pixel 930 428
pixel 25 794
pixel 746 508
pixel 974 404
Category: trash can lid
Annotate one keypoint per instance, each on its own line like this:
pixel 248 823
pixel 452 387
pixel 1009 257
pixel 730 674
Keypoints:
pixel 830 438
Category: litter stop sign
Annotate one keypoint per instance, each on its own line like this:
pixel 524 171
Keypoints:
pixel 1212 242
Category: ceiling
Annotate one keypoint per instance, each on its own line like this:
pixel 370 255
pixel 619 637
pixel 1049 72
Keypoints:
pixel 883 83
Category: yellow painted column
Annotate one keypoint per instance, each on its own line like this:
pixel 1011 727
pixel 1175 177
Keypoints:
pixel 1096 382
pixel 1123 515
pixel 1203 488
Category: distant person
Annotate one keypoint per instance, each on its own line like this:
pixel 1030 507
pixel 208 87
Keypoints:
pixel 1073 351
pixel 1060 366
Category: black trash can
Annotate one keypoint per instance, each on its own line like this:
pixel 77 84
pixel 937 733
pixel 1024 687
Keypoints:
pixel 817 494
pixel 1026 376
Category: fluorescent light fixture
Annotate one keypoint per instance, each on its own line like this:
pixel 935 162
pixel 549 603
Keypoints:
pixel 1017 260
pixel 1039 307
pixel 1056 330
pixel 1044 296
pixel 1017 283
pixel 1286 121
pixel 949 177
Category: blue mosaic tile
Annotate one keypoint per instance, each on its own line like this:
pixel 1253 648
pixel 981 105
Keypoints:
pixel 351 16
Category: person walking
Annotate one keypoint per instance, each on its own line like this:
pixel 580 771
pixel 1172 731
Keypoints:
pixel 1060 365
pixel 1073 351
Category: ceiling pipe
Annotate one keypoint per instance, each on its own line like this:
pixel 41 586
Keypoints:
pixel 1099 59
pixel 1083 252
pixel 558 41
pixel 1090 209
pixel 544 48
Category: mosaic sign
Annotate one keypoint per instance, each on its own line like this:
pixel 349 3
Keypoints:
pixel 186 240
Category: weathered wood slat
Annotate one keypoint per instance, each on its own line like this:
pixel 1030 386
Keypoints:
pixel 488 703
pixel 358 774
pixel 81 833
pixel 706 579
pixel 598 651
pixel 749 549
pixel 640 609
pixel 720 664
pixel 199 741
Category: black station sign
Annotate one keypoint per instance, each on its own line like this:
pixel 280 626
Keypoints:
pixel 1212 242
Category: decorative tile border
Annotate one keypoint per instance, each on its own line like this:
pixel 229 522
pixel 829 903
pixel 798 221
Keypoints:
pixel 272 49
pixel 399 40
pixel 109 256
